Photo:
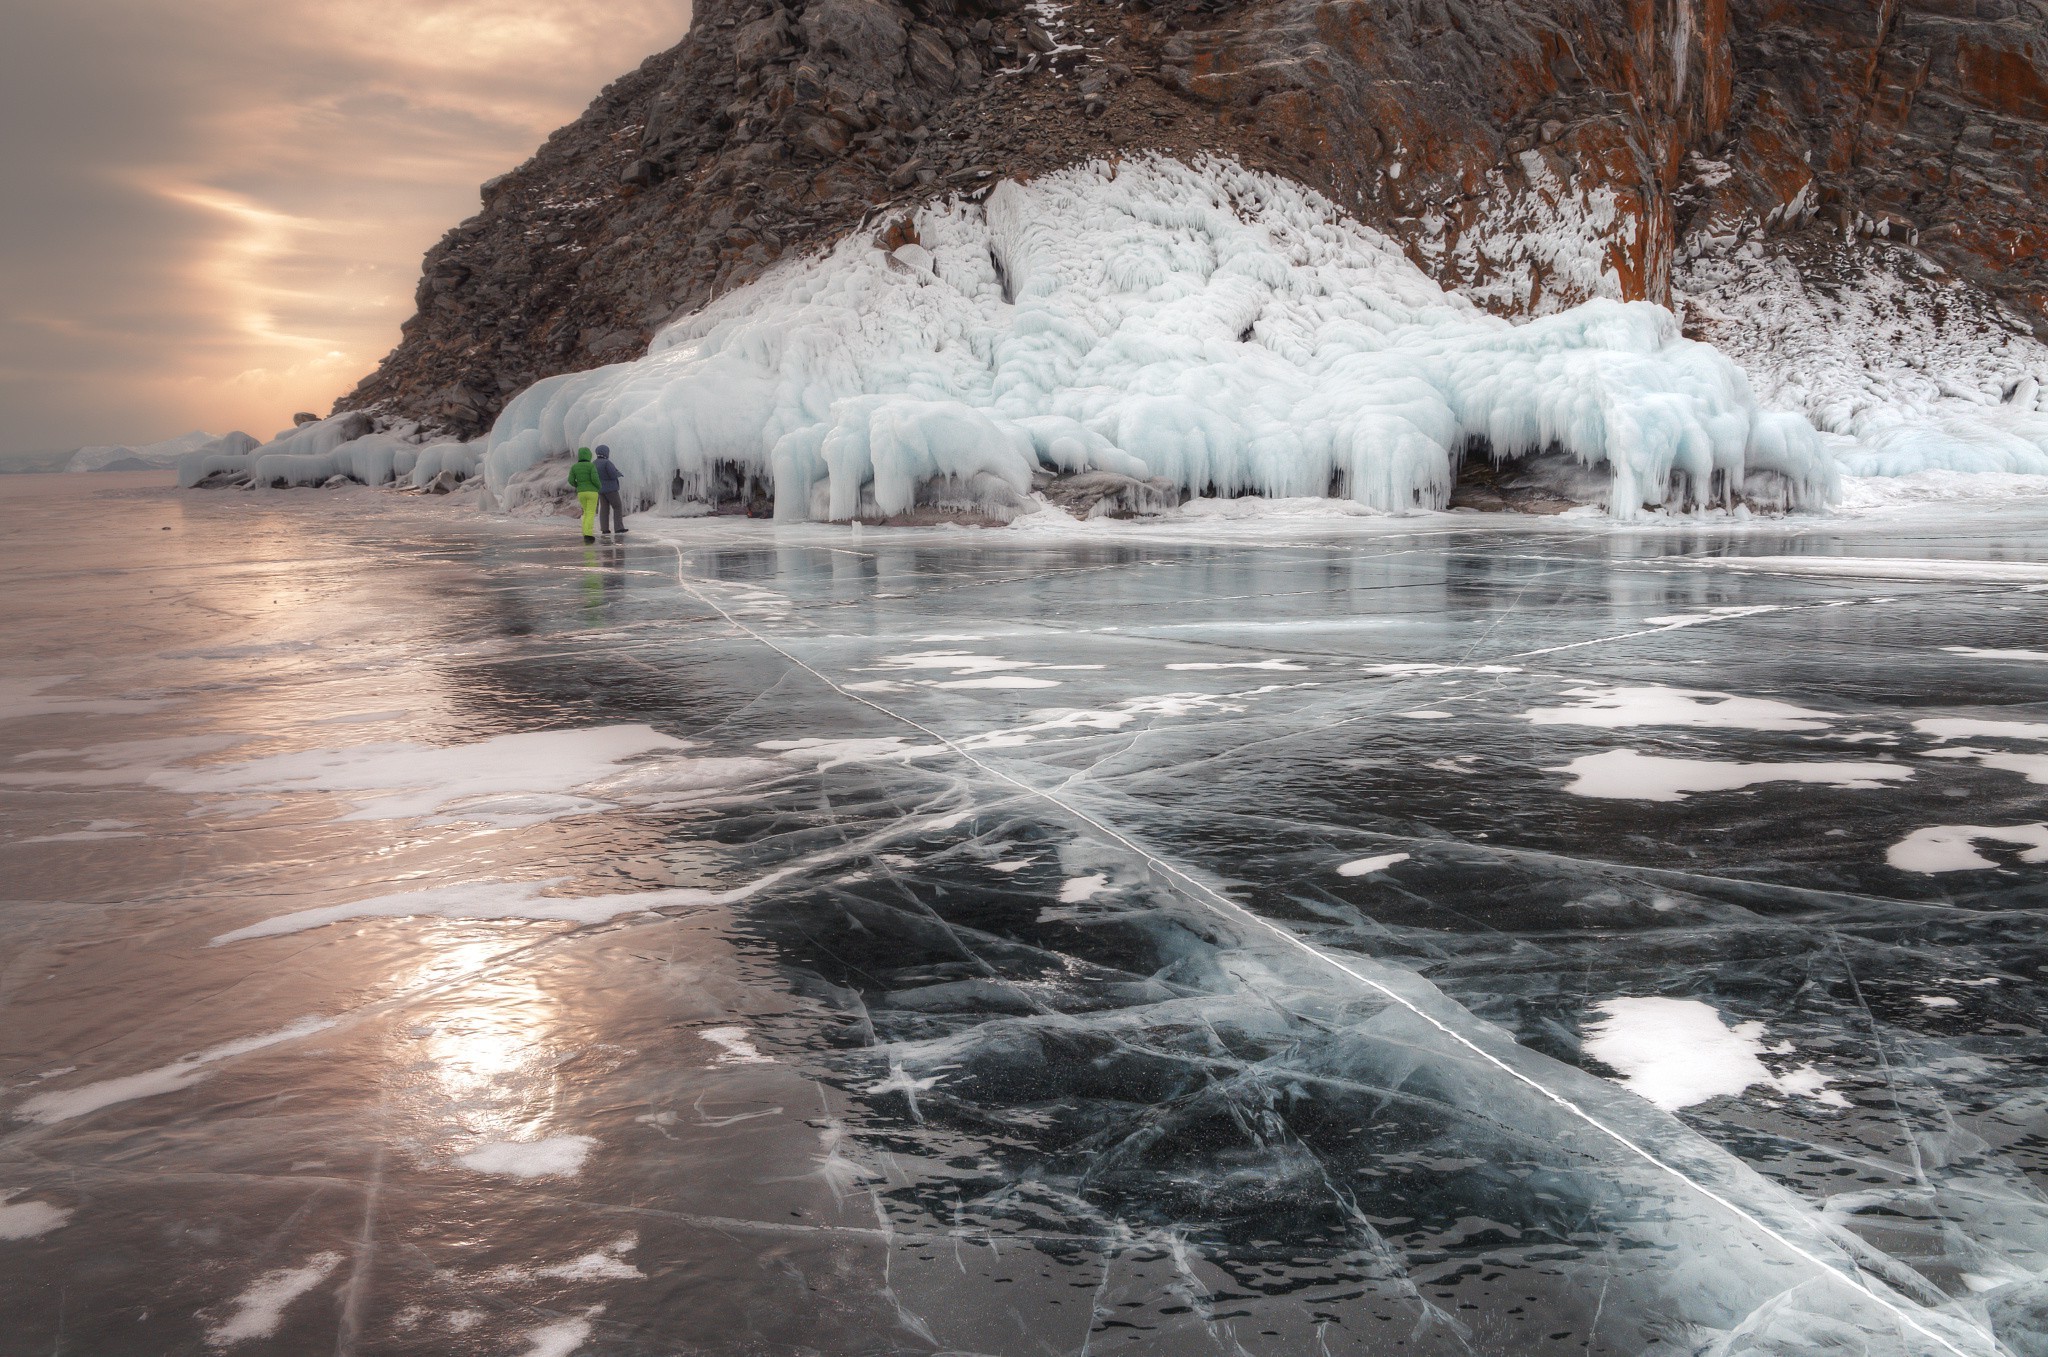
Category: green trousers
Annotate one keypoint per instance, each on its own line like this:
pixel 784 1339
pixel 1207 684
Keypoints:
pixel 588 499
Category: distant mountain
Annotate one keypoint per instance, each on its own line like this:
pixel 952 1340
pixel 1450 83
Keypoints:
pixel 156 456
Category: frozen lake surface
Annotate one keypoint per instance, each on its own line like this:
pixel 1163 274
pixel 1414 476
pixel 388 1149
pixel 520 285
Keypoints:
pixel 425 934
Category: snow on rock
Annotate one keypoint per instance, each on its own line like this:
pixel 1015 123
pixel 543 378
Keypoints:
pixel 1950 848
pixel 1221 330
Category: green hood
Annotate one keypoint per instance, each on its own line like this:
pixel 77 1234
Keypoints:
pixel 583 454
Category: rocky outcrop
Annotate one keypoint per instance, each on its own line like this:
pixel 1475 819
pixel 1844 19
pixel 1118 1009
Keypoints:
pixel 1531 153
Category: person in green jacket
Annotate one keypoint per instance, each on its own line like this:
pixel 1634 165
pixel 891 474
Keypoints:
pixel 583 480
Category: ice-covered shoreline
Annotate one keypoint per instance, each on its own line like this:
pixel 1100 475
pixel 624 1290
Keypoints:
pixel 1149 333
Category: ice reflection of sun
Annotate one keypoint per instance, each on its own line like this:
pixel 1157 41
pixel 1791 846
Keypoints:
pixel 488 1048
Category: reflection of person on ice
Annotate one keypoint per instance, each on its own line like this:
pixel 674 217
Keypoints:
pixel 583 480
pixel 611 510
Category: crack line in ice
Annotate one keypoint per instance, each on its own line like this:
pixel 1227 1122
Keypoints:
pixel 1231 908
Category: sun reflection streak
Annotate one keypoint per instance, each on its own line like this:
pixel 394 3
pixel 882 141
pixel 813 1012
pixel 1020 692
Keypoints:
pixel 487 1051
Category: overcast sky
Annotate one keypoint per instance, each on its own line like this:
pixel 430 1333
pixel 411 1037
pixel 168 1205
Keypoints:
pixel 212 212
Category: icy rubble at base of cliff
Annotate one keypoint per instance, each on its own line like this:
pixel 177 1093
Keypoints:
pixel 340 445
pixel 1906 371
pixel 1224 331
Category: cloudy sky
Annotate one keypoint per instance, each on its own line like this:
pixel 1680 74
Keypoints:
pixel 214 210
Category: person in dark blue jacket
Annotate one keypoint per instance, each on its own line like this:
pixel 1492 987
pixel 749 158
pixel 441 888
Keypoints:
pixel 611 510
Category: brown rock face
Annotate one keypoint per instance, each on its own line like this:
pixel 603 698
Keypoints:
pixel 1531 153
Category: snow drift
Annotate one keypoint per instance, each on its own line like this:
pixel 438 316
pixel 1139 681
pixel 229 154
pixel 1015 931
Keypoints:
pixel 1227 331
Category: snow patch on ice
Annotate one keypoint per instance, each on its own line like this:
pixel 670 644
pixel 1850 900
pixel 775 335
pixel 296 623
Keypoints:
pixel 260 1308
pixel 1946 728
pixel 1628 775
pixel 1935 570
pixel 23 697
pixel 65 1104
pixel 485 901
pixel 737 1046
pixel 1367 866
pixel 554 1157
pixel 560 1339
pixel 2032 767
pixel 1975 652
pixel 1948 848
pixel 1654 705
pixel 26 1220
pixel 824 753
pixel 1678 1053
pixel 1081 889
pixel 1288 665
pixel 507 781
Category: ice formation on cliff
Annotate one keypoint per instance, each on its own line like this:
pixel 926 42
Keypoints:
pixel 1227 331
pixel 341 445
pixel 1903 368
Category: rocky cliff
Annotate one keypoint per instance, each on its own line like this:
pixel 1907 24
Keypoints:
pixel 1529 153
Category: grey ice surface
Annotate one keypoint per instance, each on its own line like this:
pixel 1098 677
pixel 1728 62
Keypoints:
pixel 1130 941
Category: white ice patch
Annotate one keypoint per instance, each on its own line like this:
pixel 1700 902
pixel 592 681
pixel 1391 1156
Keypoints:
pixel 606 1265
pixel 1367 866
pixel 1679 1053
pixel 737 1046
pixel 554 1157
pixel 1945 728
pixel 486 901
pixel 260 1308
pixel 1948 848
pixel 1975 652
pixel 1288 665
pixel 1931 570
pixel 1425 714
pixel 1079 890
pixel 26 1220
pixel 65 1104
pixel 509 780
pixel 2032 767
pixel 560 1339
pixel 1625 774
pixel 94 831
pixel 1205 325
pixel 999 681
pixel 827 753
pixel 22 697
pixel 1615 708
pixel 1677 621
